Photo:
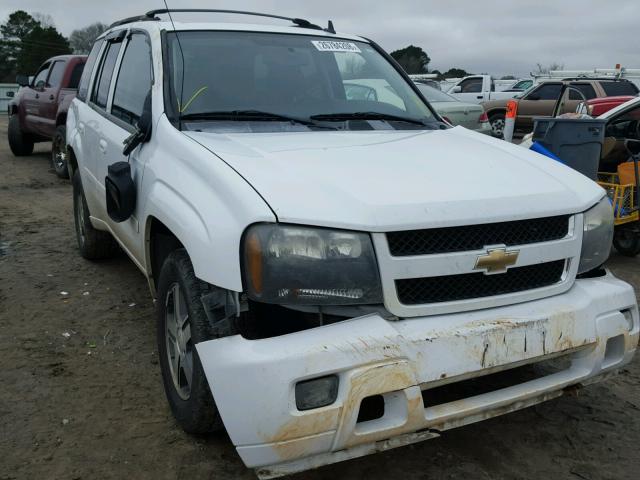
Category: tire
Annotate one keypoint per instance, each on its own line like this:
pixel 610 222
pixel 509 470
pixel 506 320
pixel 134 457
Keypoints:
pixel 181 325
pixel 93 244
pixel 20 143
pixel 497 122
pixel 626 241
pixel 59 152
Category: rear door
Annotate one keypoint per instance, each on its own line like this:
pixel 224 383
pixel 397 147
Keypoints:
pixel 578 92
pixel 130 84
pixel 95 121
pixel 49 97
pixel 539 102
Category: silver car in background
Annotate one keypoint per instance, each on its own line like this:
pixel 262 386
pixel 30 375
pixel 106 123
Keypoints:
pixel 468 115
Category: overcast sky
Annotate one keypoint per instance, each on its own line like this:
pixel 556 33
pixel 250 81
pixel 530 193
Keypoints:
pixel 494 36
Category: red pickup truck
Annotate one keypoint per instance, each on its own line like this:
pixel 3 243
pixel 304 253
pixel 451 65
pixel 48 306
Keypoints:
pixel 38 112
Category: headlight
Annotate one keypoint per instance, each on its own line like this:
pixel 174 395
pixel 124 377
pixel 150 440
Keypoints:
pixel 597 236
pixel 312 266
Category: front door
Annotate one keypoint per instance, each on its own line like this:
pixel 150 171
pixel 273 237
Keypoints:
pixel 537 103
pixel 471 90
pixel 32 99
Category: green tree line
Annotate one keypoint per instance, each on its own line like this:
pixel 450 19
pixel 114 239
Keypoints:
pixel 27 40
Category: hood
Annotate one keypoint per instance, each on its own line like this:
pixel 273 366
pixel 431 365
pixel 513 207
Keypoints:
pixel 393 180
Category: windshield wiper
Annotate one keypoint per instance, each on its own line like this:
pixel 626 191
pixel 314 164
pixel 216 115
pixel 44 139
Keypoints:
pixel 247 115
pixel 366 116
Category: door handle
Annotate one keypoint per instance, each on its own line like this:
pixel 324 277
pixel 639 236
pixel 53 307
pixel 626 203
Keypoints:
pixel 37 95
pixel 479 97
pixel 102 145
pixel 51 97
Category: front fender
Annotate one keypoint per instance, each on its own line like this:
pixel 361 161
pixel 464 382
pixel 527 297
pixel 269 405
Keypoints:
pixel 202 201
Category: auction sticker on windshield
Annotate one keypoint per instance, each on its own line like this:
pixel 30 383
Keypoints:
pixel 333 46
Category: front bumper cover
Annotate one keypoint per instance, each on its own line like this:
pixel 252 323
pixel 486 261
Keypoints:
pixel 253 381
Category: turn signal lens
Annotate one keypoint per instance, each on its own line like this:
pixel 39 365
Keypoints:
pixel 254 261
pixel 483 117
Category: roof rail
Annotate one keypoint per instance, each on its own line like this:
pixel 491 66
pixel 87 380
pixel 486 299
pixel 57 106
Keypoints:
pixel 139 18
pixel 151 15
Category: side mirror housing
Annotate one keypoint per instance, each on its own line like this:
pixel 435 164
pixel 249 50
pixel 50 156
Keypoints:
pixel 22 80
pixel 120 191
pixel 143 128
pixel 456 89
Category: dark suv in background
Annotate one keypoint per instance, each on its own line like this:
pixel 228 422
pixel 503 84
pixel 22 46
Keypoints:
pixel 38 112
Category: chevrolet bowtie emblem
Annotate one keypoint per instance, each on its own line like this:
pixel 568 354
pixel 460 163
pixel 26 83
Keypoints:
pixel 496 260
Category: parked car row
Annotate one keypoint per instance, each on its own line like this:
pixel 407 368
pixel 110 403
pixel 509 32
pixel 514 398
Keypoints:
pixel 540 100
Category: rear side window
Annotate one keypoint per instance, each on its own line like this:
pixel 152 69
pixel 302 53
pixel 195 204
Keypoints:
pixel 103 81
pixel 83 86
pixel 57 72
pixel 585 88
pixel 134 80
pixel 613 89
pixel 75 75
pixel 548 91
pixel 471 85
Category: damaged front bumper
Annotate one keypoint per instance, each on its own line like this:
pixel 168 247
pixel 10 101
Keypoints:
pixel 594 326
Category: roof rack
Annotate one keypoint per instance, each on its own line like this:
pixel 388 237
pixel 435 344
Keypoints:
pixel 151 15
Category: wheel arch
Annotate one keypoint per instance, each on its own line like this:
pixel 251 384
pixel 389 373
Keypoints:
pixel 72 161
pixel 160 241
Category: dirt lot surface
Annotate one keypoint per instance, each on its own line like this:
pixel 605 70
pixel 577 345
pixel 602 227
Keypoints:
pixel 81 395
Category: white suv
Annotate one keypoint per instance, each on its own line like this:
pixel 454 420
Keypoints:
pixel 322 263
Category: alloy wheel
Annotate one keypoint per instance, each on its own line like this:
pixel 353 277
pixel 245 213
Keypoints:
pixel 178 341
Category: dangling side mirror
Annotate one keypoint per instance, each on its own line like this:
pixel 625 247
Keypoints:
pixel 143 128
pixel 120 191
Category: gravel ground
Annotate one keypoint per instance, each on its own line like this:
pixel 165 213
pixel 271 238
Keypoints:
pixel 81 395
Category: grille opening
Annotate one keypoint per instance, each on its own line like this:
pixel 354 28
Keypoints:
pixel 476 237
pixel 493 382
pixel 371 408
pixel 450 288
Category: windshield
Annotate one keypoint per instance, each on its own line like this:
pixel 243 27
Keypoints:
pixel 434 95
pixel 241 77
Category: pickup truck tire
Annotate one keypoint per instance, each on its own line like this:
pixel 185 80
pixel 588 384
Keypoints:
pixel 497 121
pixel 93 244
pixel 182 323
pixel 59 152
pixel 19 142
pixel 627 241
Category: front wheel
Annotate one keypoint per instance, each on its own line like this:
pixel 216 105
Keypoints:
pixel 182 323
pixel 497 122
pixel 627 241
pixel 59 152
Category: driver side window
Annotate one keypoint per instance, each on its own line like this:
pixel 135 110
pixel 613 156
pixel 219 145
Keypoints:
pixel 40 79
pixel 471 85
